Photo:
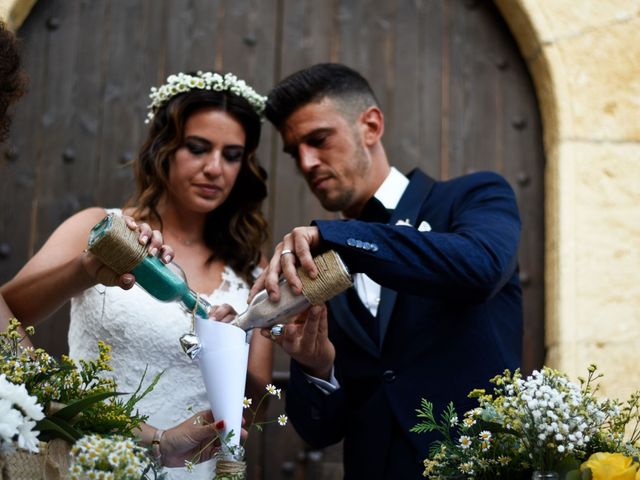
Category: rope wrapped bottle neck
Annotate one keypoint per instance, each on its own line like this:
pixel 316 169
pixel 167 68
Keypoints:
pixel 333 278
pixel 116 245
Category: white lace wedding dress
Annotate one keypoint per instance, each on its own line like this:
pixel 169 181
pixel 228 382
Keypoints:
pixel 144 333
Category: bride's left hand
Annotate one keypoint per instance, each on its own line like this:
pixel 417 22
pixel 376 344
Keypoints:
pixel 224 313
pixel 192 440
pixel 150 238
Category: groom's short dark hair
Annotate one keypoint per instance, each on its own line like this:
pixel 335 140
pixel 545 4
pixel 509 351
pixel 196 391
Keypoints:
pixel 334 80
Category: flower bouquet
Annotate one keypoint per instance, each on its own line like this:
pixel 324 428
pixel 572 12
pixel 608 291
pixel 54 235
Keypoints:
pixel 48 405
pixel 541 426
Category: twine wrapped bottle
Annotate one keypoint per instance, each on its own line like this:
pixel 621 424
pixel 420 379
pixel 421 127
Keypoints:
pixel 230 465
pixel 333 278
pixel 117 246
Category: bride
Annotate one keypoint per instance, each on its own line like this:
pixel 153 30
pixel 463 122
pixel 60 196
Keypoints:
pixel 200 190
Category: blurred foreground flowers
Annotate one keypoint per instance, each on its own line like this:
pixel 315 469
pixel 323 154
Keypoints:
pixel 42 399
pixel 543 422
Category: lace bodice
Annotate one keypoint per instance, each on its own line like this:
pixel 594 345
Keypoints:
pixel 143 333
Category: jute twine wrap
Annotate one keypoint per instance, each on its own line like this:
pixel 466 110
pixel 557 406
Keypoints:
pixel 230 470
pixel 333 278
pixel 50 463
pixel 119 248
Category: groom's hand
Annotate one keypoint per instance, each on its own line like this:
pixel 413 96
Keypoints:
pixel 307 341
pixel 294 250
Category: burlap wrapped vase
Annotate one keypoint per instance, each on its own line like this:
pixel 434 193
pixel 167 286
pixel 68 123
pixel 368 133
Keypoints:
pixel 50 463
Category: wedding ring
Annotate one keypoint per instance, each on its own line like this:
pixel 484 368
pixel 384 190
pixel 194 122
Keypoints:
pixel 276 331
pixel 285 252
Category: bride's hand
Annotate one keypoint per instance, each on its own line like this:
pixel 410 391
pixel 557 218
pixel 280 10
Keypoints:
pixel 152 239
pixel 196 439
pixel 224 313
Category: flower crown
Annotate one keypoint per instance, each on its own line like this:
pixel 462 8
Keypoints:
pixel 183 82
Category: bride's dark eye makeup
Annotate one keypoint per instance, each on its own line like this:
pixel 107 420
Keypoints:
pixel 233 154
pixel 197 148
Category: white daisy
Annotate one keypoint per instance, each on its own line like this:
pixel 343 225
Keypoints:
pixel 271 389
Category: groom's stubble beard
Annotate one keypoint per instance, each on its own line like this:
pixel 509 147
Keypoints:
pixel 345 194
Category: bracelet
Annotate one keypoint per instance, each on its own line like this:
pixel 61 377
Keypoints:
pixel 155 445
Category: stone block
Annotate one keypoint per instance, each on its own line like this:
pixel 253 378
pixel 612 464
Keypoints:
pixel 597 278
pixel 597 75
pixel 560 241
pixel 607 236
pixel 555 20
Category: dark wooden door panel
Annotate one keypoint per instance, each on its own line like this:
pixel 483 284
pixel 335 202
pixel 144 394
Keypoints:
pixel 455 92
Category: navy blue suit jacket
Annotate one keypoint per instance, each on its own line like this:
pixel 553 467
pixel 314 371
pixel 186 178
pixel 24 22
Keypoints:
pixel 450 318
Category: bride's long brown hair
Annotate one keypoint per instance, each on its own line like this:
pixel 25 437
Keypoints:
pixel 237 229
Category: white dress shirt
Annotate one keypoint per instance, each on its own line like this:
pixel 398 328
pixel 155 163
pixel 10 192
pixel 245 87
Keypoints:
pixel 389 195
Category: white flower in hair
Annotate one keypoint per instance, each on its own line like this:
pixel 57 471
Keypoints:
pixel 182 82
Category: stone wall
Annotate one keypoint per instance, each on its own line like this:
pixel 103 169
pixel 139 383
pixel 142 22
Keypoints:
pixel 584 57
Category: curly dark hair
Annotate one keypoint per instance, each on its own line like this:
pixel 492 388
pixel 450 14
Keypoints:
pixel 13 81
pixel 237 229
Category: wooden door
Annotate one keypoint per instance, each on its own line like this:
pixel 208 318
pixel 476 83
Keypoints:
pixel 451 82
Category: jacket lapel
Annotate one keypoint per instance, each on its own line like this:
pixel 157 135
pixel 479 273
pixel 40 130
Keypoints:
pixel 411 202
pixel 343 315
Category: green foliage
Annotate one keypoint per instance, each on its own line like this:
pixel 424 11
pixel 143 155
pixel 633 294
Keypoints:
pixel 429 423
pixel 78 398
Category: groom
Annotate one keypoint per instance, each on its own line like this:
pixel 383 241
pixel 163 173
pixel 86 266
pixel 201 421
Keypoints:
pixel 436 310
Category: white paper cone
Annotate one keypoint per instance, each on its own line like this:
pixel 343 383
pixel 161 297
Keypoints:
pixel 223 364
